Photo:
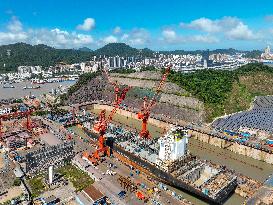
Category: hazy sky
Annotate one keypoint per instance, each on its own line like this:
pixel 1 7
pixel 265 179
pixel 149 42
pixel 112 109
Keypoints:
pixel 156 24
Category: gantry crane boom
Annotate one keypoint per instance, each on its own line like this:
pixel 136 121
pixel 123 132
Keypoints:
pixel 145 112
pixel 101 126
pixel 115 84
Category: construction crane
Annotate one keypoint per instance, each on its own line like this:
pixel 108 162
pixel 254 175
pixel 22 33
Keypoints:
pixel 14 115
pixel 119 97
pixel 115 84
pixel 145 112
pixel 103 122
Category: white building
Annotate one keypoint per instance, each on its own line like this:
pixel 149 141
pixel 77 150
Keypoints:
pixel 29 69
pixel 89 67
pixel 267 55
pixel 173 145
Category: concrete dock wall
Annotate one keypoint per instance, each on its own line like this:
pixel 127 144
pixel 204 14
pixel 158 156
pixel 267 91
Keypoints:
pixel 232 146
pixel 129 114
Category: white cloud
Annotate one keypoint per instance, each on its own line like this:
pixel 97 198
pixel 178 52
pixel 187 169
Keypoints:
pixel 169 35
pixel 124 37
pixel 240 32
pixel 136 37
pixel 59 38
pixel 14 32
pixel 55 37
pixel 110 39
pixel 212 26
pixel 117 30
pixel 203 24
pixel 8 37
pixel 88 24
pixel 232 27
pixel 15 25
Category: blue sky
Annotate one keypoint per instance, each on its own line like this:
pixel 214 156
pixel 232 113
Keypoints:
pixel 157 24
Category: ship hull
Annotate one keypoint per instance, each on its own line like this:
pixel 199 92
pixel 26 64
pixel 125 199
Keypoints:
pixel 163 176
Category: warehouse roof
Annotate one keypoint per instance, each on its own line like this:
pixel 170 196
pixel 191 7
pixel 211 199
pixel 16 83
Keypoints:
pixel 92 193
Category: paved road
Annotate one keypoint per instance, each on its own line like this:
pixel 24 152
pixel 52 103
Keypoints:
pixel 105 183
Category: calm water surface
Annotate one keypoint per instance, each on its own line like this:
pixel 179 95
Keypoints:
pixel 18 91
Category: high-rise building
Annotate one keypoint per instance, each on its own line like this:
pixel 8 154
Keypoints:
pixel 267 50
pixel 267 54
pixel 206 55
pixel 111 62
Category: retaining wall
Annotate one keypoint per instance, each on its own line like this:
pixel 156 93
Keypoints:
pixel 129 114
pixel 232 146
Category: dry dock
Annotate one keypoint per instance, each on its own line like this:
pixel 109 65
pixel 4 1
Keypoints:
pixel 247 166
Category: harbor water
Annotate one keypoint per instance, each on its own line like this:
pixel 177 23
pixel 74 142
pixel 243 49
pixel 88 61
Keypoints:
pixel 18 91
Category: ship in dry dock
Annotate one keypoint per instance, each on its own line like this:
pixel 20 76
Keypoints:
pixel 169 160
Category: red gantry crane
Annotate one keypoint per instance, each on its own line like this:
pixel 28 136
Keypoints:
pixel 145 112
pixel 103 122
pixel 15 115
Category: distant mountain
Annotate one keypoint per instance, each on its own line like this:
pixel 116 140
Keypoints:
pixel 14 55
pixel 122 49
pixel 253 54
pixel 85 49
pixel 147 52
pixel 229 51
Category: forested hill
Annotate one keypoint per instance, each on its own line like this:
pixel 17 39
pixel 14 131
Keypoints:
pixel 227 91
pixel 14 55
pixel 122 49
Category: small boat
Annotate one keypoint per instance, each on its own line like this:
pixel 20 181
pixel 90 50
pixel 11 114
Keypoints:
pixel 32 87
pixel 36 81
pixel 8 86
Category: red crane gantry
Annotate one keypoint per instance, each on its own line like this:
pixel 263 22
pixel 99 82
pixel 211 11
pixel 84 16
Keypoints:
pixel 145 112
pixel 102 124
pixel 14 115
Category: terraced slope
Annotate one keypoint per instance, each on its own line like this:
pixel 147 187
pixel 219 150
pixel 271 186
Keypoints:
pixel 174 101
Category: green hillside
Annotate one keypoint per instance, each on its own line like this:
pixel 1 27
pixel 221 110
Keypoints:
pixel 25 54
pixel 227 91
pixel 117 49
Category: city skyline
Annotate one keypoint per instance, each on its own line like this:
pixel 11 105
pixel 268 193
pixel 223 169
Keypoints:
pixel 159 26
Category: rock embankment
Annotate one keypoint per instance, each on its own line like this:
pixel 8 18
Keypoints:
pixel 172 102
pixel 182 101
pixel 151 84
pixel 149 75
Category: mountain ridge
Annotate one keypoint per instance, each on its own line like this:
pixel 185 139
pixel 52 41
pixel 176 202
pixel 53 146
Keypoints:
pixel 14 55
